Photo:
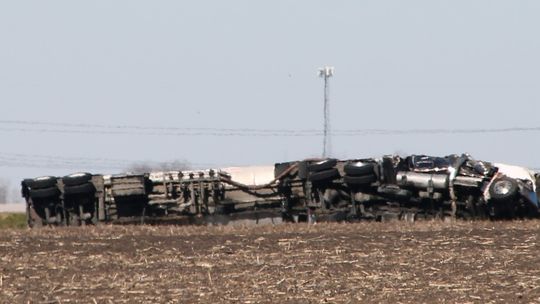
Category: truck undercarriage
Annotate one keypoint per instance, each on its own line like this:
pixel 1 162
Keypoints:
pixel 392 187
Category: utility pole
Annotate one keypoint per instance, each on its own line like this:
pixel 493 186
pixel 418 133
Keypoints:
pixel 326 73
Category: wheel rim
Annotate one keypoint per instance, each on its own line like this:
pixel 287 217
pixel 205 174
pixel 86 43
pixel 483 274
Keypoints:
pixel 502 187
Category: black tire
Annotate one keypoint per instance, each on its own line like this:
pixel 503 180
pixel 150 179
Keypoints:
pixel 329 174
pixel 366 169
pixel 76 179
pixel 44 193
pixel 503 188
pixel 360 180
pixel 41 182
pixel 87 188
pixel 322 165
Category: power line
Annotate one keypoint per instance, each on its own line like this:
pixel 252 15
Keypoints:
pixel 187 133
pixel 275 133
pixel 181 130
pixel 49 161
pixel 67 128
pixel 46 165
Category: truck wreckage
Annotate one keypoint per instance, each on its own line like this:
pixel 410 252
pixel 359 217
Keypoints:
pixel 392 187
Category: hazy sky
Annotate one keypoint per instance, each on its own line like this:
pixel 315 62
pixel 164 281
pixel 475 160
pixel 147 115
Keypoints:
pixel 252 64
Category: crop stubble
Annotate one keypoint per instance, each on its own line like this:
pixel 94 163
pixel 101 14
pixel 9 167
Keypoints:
pixel 461 262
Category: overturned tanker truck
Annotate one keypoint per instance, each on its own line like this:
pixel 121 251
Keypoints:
pixel 391 187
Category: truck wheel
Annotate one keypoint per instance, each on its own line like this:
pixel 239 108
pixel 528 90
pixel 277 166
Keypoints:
pixel 80 189
pixel 503 188
pixel 44 193
pixel 76 179
pixel 360 180
pixel 41 182
pixel 329 174
pixel 359 169
pixel 322 165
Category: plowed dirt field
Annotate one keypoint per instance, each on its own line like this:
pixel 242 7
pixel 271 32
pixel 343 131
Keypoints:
pixel 429 262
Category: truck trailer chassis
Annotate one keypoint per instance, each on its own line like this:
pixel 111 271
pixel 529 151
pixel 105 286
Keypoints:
pixel 391 187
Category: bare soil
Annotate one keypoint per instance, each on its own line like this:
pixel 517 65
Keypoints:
pixel 461 262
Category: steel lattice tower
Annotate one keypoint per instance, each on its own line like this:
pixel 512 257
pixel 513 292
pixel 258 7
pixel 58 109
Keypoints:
pixel 326 73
